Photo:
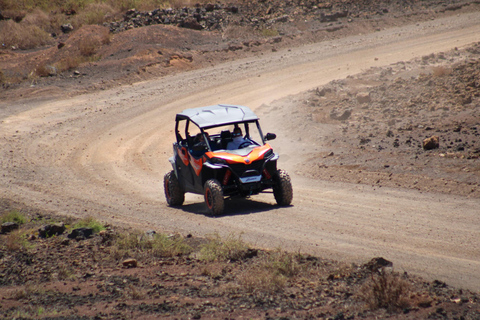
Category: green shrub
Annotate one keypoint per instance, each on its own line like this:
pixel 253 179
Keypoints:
pixel 89 222
pixel 269 33
pixel 13 216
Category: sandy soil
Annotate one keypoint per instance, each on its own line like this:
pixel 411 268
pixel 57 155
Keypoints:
pixel 104 153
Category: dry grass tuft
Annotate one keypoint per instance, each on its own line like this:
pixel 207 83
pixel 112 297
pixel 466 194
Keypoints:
pixel 257 280
pixel 22 35
pixel 134 293
pixel 386 290
pixel 237 32
pixel 43 70
pixel 16 241
pixel 3 78
pixel 158 245
pixel 95 13
pixel 38 18
pixel 217 249
pixel 272 273
pixel 88 46
pixel 69 63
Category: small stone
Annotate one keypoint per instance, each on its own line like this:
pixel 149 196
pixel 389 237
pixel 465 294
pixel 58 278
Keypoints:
pixel 431 143
pixel 130 263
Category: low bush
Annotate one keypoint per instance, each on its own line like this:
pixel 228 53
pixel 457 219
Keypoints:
pixel 218 249
pixel 386 290
pixel 272 273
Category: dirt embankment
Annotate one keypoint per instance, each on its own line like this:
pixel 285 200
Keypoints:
pixel 159 43
pixel 383 117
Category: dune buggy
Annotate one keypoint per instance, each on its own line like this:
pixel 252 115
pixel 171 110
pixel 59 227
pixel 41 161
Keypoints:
pixel 221 152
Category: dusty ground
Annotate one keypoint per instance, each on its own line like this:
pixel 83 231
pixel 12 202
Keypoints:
pixel 370 131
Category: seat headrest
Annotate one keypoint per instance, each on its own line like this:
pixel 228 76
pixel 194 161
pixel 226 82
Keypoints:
pixel 226 134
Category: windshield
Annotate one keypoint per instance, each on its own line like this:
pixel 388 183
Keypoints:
pixel 235 137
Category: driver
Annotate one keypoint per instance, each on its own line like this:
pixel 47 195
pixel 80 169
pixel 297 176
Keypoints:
pixel 199 145
pixel 238 140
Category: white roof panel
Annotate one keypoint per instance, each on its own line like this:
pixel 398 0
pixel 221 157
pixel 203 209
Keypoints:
pixel 217 115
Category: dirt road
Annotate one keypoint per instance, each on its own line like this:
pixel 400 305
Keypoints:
pixel 104 154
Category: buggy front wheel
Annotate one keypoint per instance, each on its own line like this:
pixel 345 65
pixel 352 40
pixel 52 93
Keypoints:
pixel 282 188
pixel 213 194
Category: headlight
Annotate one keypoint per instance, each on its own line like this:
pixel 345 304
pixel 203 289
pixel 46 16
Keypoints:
pixel 218 161
pixel 268 154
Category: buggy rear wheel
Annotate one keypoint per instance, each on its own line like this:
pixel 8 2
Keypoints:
pixel 213 194
pixel 282 188
pixel 174 192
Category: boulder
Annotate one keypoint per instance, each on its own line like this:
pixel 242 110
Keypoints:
pixel 81 233
pixel 344 116
pixel 51 230
pixel 66 28
pixel 8 227
pixel 378 263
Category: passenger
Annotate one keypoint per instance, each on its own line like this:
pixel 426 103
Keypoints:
pixel 238 140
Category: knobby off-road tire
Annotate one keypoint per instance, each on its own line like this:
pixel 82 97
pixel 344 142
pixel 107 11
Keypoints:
pixel 214 197
pixel 174 192
pixel 282 188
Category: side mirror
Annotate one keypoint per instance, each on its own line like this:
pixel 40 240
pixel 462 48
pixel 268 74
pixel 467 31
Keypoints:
pixel 270 136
